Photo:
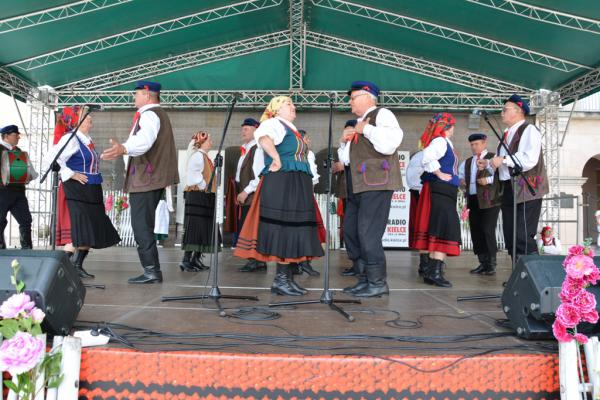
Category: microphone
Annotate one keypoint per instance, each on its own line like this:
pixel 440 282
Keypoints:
pixel 478 111
pixel 332 95
pixel 94 107
pixel 237 95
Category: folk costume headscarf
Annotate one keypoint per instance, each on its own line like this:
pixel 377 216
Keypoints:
pixel 274 106
pixel 436 127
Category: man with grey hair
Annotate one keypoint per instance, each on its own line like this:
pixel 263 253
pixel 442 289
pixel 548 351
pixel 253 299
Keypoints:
pixel 369 154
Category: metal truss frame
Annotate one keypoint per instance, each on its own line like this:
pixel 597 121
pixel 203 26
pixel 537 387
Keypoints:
pixel 455 35
pixel 579 87
pixel 541 14
pixel 315 99
pixel 144 32
pixel 15 85
pixel 56 13
pixel 182 61
pixel 547 118
pixel 297 29
pixel 408 63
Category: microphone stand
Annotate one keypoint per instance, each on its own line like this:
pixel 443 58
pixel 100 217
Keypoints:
pixel 215 293
pixel 54 167
pixel 517 172
pixel 326 296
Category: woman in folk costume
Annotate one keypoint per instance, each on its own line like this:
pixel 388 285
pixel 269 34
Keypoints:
pixel 437 230
pixel 66 122
pixel 281 225
pixel 82 184
pixel 548 243
pixel 199 204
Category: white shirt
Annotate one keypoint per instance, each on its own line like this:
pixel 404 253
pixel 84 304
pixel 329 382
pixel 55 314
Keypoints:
pixel 473 172
pixel 257 166
pixel 143 140
pixel 386 137
pixel 30 168
pixel 552 249
pixel 313 167
pixel 67 173
pixel 528 152
pixel 273 128
pixel 195 167
pixel 414 170
pixel 432 153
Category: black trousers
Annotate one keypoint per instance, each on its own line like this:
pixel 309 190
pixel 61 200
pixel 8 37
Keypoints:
pixel 143 209
pixel 15 201
pixel 365 220
pixel 482 223
pixel 528 216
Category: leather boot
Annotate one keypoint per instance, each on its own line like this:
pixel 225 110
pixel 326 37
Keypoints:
pixel 295 268
pixel 423 262
pixel 490 266
pixel 197 262
pixel 360 275
pixel 25 238
pixel 350 271
pixel 186 263
pixel 436 275
pixel 482 264
pixel 306 267
pixel 281 282
pixel 151 274
pixel 376 282
pixel 78 264
pixel 293 284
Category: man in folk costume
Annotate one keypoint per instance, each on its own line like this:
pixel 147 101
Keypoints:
pixel 524 141
pixel 369 152
pixel 152 166
pixel 484 196
pixel 247 177
pixel 12 196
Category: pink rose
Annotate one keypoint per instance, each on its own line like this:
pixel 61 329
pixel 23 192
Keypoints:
pixel 570 289
pixel 37 315
pixel 576 250
pixel 581 338
pixel 590 316
pixel 585 301
pixel 110 200
pixel 125 206
pixel 593 277
pixel 21 353
pixel 579 267
pixel 560 332
pixel 16 305
pixel 568 315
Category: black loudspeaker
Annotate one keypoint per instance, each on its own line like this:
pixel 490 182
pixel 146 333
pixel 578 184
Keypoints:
pixel 531 296
pixel 52 283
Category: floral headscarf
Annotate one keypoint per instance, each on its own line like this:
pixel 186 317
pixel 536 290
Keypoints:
pixel 436 127
pixel 548 241
pixel 274 106
pixel 66 121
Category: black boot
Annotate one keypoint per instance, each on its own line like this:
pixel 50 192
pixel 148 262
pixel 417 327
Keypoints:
pixel 361 275
pixel 254 266
pixel 436 275
pixel 306 267
pixel 376 282
pixel 186 263
pixel 197 262
pixel 350 271
pixel 151 274
pixel 78 264
pixel 295 268
pixel 482 264
pixel 25 238
pixel 423 262
pixel 281 282
pixel 490 266
pixel 294 285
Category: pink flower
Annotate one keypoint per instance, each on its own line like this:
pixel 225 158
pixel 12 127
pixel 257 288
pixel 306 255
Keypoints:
pixel 579 266
pixel 37 315
pixel 110 200
pixel 126 206
pixel 560 332
pixel 21 353
pixel 594 276
pixel 570 288
pixel 590 316
pixel 577 250
pixel 16 305
pixel 589 252
pixel 584 301
pixel 568 315
pixel 464 214
pixel 581 338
